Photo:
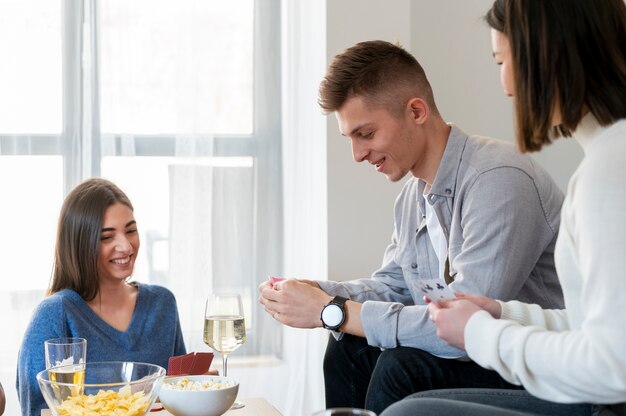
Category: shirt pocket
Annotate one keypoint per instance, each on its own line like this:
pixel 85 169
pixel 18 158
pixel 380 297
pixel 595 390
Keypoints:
pixel 406 257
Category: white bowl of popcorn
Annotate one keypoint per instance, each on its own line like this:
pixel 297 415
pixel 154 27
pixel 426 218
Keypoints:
pixel 198 395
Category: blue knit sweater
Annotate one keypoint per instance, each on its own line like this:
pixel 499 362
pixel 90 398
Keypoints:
pixel 153 336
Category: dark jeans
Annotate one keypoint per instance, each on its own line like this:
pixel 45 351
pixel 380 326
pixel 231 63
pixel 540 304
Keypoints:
pixel 358 375
pixel 479 402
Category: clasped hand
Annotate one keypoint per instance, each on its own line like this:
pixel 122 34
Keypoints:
pixel 294 302
pixel 450 316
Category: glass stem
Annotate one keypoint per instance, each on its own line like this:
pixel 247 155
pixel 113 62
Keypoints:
pixel 225 361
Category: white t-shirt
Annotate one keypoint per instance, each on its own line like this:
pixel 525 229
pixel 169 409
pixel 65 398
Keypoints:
pixel 437 238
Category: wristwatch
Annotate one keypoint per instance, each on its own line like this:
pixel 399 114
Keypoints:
pixel 334 313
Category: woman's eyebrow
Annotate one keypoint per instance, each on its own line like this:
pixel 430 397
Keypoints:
pixel 128 224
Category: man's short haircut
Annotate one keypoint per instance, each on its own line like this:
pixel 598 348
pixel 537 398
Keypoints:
pixel 383 74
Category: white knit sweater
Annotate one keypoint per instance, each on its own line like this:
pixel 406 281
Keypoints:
pixel 579 354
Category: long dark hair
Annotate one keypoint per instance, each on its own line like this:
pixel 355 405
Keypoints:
pixel 78 236
pixel 567 54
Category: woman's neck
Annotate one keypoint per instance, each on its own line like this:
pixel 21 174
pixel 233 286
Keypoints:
pixel 115 304
pixel 115 292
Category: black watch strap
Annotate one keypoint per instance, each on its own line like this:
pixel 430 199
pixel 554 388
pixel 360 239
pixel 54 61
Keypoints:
pixel 340 301
pixel 335 311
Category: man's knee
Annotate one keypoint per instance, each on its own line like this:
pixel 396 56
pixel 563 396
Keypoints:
pixel 395 360
pixel 398 373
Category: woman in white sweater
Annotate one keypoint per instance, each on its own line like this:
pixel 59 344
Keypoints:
pixel 564 62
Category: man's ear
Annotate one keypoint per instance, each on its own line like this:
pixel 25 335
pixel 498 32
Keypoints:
pixel 418 110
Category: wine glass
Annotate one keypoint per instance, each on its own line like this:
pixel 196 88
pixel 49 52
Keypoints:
pixel 224 327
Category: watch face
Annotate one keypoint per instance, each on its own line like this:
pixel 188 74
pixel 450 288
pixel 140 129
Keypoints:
pixel 332 315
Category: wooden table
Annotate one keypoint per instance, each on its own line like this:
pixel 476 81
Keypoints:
pixel 254 407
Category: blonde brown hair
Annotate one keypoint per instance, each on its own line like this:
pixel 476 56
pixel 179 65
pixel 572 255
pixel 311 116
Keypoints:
pixel 384 74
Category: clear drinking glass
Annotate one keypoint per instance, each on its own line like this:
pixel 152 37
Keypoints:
pixel 65 362
pixel 224 327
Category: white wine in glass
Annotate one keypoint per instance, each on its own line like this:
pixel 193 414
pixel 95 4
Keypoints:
pixel 65 361
pixel 224 333
pixel 224 327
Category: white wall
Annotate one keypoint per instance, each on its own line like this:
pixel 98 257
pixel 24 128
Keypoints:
pixel 360 200
pixel 452 43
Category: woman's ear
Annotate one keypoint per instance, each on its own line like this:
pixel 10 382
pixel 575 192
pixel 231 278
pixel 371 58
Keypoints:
pixel 418 110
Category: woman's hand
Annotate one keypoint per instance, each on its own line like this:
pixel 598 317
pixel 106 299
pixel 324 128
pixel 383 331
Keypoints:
pixel 451 316
pixel 492 306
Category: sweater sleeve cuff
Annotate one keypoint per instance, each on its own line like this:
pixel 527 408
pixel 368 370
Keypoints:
pixel 515 311
pixel 480 343
pixel 483 334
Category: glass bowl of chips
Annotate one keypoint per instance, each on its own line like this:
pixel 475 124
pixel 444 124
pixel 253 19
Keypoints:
pixel 106 388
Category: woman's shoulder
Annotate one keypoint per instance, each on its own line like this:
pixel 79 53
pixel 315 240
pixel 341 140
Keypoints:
pixel 57 300
pixel 51 310
pixel 154 291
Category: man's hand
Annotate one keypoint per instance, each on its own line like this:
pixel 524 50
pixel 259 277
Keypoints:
pixel 294 302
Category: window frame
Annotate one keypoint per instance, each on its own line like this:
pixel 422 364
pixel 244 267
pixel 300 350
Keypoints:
pixel 266 122
pixel 80 144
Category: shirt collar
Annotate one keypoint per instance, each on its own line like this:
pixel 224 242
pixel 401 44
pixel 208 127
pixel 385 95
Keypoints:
pixel 445 179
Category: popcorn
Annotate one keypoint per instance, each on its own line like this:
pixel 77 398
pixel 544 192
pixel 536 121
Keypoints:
pixel 106 402
pixel 186 384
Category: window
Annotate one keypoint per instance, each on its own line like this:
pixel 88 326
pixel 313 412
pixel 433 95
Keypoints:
pixel 210 69
pixel 178 102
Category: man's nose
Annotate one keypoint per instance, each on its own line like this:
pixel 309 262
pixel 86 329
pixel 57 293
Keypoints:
pixel 359 152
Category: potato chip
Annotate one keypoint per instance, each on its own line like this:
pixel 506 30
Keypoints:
pixel 106 402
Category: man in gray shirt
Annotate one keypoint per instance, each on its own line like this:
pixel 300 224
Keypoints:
pixel 476 214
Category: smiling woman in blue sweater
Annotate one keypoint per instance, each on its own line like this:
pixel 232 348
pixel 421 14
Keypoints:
pixel 90 296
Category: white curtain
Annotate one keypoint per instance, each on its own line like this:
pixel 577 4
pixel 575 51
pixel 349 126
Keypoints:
pixel 291 378
pixel 206 197
pixel 304 187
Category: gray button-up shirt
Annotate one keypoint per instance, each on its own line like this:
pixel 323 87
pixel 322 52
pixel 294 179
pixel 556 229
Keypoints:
pixel 499 211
